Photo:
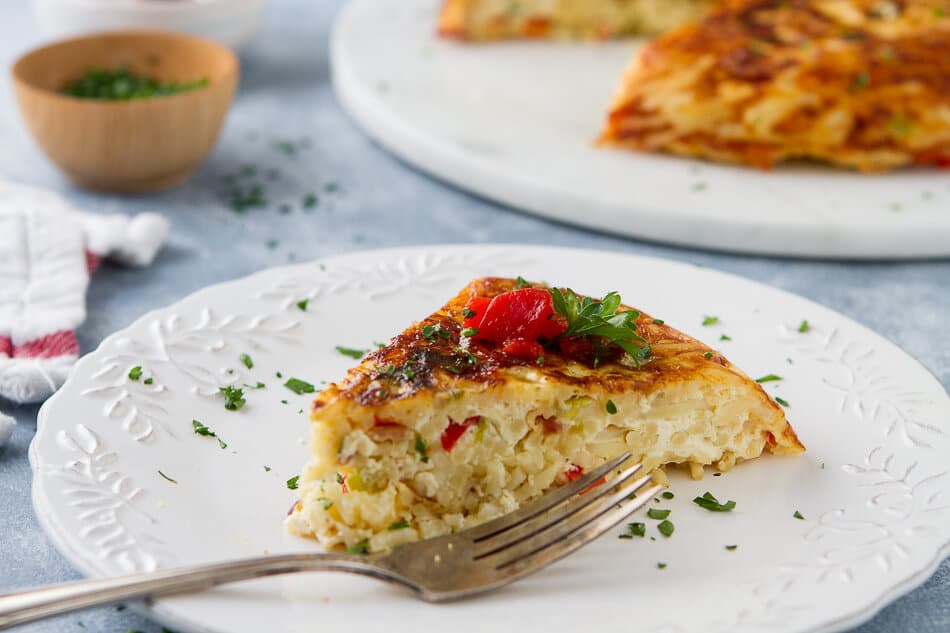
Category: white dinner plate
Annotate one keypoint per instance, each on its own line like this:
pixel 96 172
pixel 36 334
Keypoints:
pixel 516 121
pixel 872 488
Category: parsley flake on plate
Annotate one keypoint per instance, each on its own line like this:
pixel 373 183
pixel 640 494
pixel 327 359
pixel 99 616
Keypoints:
pixel 666 528
pixel 292 483
pixel 804 326
pixel 656 513
pixel 768 378
pixel 667 495
pixel 201 429
pixel 782 401
pixel 710 320
pixel 798 515
pixel 302 304
pixel 711 503
pixel 233 397
pixel 135 373
pixel 166 477
pixel 661 565
pixel 351 352
pixel 731 548
pixel 298 386
pixel 246 360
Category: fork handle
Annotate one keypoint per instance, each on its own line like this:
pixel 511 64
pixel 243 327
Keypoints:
pixel 35 604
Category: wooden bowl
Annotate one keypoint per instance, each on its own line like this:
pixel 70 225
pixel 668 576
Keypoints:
pixel 126 146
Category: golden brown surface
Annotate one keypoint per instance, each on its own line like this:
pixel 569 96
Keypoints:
pixel 563 19
pixel 863 84
pixel 413 363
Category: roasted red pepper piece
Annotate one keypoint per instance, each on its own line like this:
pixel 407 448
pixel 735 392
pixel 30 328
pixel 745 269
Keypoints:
pixel 523 348
pixel 574 472
pixel 455 430
pixel 518 314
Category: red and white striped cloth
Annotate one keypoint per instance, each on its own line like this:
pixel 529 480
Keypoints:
pixel 48 250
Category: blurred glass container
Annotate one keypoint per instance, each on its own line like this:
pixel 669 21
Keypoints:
pixel 230 22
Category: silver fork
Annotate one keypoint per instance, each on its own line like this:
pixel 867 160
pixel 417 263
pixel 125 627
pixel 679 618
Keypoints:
pixel 444 568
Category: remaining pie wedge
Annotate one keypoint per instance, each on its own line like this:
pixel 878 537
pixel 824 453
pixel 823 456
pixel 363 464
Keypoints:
pixel 506 392
pixel 564 19
pixel 863 84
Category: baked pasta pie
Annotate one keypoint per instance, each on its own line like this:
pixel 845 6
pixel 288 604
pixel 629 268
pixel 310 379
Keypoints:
pixel 863 84
pixel 506 392
pixel 564 19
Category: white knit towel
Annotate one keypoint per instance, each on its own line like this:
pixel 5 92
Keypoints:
pixel 48 249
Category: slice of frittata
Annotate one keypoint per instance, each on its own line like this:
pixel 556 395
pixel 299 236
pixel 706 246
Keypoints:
pixel 506 392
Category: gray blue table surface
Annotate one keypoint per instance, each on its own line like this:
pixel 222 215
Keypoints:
pixel 368 199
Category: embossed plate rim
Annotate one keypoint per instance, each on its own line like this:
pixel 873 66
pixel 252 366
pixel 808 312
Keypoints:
pixel 170 614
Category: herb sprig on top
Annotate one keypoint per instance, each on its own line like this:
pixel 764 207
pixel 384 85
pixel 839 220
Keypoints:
pixel 590 317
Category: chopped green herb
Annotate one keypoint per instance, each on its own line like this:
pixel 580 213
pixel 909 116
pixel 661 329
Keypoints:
pixel 351 352
pixel 166 477
pixel 468 313
pixel 589 317
pixel 420 446
pixel 359 548
pixel 247 361
pixel 293 481
pixel 708 354
pixel 698 186
pixel 667 494
pixel 782 401
pixel 731 548
pixel 798 515
pixel 611 407
pixel 711 503
pixel 266 469
pixel 233 397
pixel 148 380
pixel 470 357
pixel 637 529
pixel 769 378
pixel 666 528
pixel 656 513
pixel 279 375
pixel 659 321
pixel 521 282
pixel 469 332
pixel 725 337
pixel 860 81
pixel 717 474
pixel 340 478
pixel 135 373
pixel 302 304
pixel 331 187
pixel 804 326
pixel 326 503
pixel 298 386
pixel 432 331
pixel 662 565
pixel 201 429
pixel 309 201
pixel 710 320
pixel 398 525
pixel 123 84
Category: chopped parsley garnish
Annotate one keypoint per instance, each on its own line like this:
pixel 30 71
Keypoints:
pixel 470 357
pixel 860 81
pixel 662 565
pixel 798 515
pixel 769 378
pixel 731 548
pixel 247 361
pixel 432 331
pixel 521 282
pixel 148 381
pixel 468 313
pixel 259 385
pixel 201 429
pixel 166 477
pixel 266 469
pixel 589 317
pixel 293 481
pixel 470 332
pixel 667 495
pixel 611 407
pixel 711 503
pixel 656 513
pixel 135 373
pixel 782 401
pixel 298 386
pixel 420 446
pixel 359 548
pixel 666 528
pixel 637 529
pixel 302 304
pixel 725 337
pixel 233 397
pixel 351 352
pixel 658 321
pixel 708 354
pixel 804 326
pixel 398 525
pixel 710 320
